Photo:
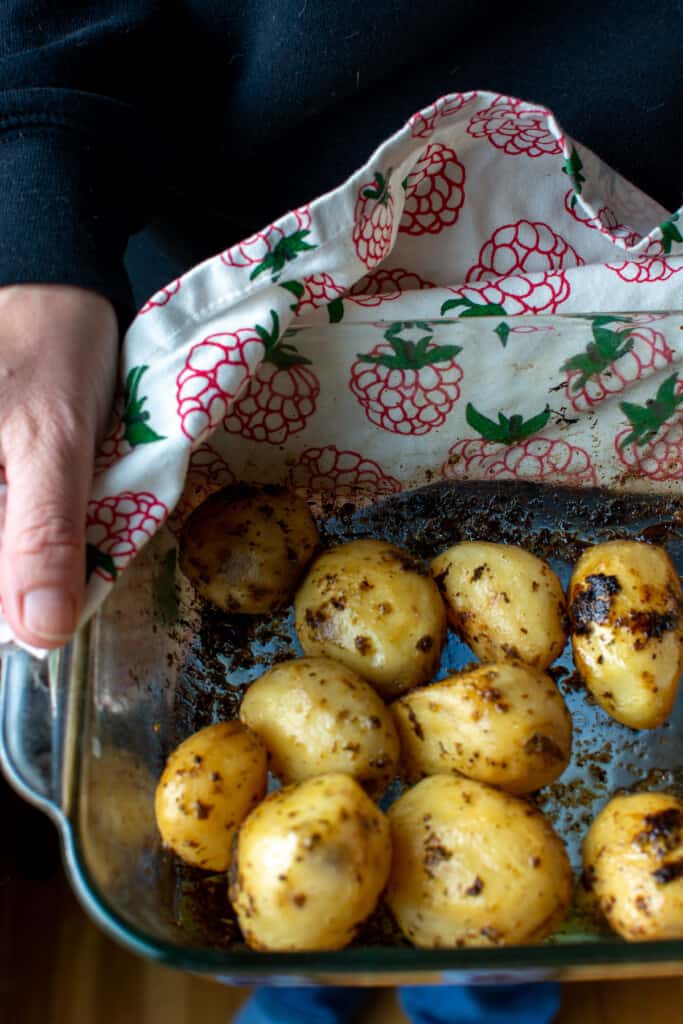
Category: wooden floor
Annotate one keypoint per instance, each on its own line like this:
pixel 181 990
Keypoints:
pixel 57 968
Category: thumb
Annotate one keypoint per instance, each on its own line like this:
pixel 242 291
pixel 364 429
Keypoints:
pixel 42 563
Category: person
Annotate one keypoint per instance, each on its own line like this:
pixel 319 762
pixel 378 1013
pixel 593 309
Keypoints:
pixel 210 118
pixel 190 124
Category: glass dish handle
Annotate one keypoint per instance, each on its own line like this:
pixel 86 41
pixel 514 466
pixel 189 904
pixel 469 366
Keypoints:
pixel 34 696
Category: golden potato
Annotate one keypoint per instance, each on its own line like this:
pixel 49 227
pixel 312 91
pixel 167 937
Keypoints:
pixel 473 866
pixel 245 547
pixel 209 785
pixel 502 724
pixel 625 606
pixel 370 605
pixel 315 716
pixel 310 864
pixel 505 603
pixel 633 865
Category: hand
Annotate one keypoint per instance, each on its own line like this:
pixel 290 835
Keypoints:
pixel 58 356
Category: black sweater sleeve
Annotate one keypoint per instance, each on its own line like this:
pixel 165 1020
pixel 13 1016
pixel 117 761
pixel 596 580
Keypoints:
pixel 82 137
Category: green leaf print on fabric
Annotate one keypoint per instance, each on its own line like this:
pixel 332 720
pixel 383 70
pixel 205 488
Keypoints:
pixel 605 349
pixel 508 430
pixel 286 250
pixel 670 232
pixel 503 332
pixel 96 559
pixel 648 419
pixel 470 308
pixel 135 417
pixel 573 168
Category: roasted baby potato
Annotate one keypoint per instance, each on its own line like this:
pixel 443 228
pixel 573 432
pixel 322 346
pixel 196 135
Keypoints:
pixel 369 605
pixel 209 785
pixel 505 603
pixel 310 864
pixel 316 716
pixel 245 547
pixel 633 865
pixel 502 724
pixel 625 606
pixel 473 866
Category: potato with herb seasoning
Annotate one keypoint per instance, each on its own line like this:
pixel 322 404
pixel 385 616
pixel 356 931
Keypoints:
pixel 309 866
pixel 245 547
pixel 371 606
pixel 316 716
pixel 472 866
pixel 625 610
pixel 502 724
pixel 504 602
pixel 633 865
pixel 209 785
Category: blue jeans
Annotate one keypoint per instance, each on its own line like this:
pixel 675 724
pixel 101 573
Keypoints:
pixel 499 1004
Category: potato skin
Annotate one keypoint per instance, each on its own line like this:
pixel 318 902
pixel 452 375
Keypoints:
pixel 309 866
pixel 245 547
pixel 625 606
pixel 505 603
pixel 210 783
pixel 473 866
pixel 370 606
pixel 633 865
pixel 315 717
pixel 506 725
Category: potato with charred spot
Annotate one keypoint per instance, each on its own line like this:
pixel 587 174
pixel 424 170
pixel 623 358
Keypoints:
pixel 209 785
pixel 310 865
pixel 473 866
pixel 625 606
pixel 369 605
pixel 502 724
pixel 245 547
pixel 633 865
pixel 315 716
pixel 504 602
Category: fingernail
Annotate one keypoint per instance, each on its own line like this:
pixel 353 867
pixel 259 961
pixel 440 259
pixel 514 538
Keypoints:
pixel 49 613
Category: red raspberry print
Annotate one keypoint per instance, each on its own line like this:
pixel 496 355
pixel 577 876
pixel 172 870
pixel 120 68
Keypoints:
pixel 434 192
pixel 424 122
pixel 131 425
pixel 521 247
pixel 272 248
pixel 382 285
pixel 206 473
pixel 215 372
pixel 613 360
pixel 541 459
pixel 343 473
pixel 386 283
pixel 651 267
pixel 162 297
pixel 511 296
pixel 373 220
pixel 281 396
pixel 313 292
pixel 652 446
pixel 118 527
pixel 507 450
pixel 407 387
pixel 605 221
pixel 113 447
pixel 518 128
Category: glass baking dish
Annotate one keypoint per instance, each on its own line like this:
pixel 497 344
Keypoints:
pixel 84 736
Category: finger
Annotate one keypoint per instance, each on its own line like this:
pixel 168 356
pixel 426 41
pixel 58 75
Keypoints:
pixel 42 564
